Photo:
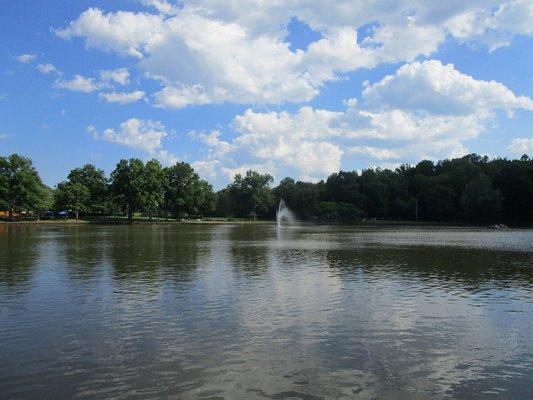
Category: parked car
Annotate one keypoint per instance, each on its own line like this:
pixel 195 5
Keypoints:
pixel 47 215
pixel 64 214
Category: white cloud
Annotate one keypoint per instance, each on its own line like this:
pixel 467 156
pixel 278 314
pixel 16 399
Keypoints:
pixel 441 89
pixel 162 6
pixel 212 51
pixel 438 115
pixel 26 58
pixel 88 85
pixel 48 68
pixel 120 76
pixel 144 135
pixel 213 141
pixel 78 84
pixel 123 32
pixel 373 152
pixel 122 97
pixel 493 28
pixel 520 146
pixel 137 133
pixel 4 135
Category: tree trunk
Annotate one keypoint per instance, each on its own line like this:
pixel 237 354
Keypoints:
pixel 77 214
pixel 130 214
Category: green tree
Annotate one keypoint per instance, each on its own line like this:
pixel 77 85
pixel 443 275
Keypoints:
pixel 20 185
pixel 154 186
pixel 344 187
pixel 480 202
pixel 96 183
pixel 128 185
pixel 186 194
pixel 375 192
pixel 437 203
pixel 72 196
pixel 251 193
pixel 301 197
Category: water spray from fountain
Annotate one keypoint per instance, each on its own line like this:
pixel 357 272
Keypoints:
pixel 284 215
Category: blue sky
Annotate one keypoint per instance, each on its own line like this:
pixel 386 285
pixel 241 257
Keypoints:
pixel 292 88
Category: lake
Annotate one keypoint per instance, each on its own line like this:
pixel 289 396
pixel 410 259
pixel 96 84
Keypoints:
pixel 256 312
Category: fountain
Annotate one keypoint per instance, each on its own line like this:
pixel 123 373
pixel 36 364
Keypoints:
pixel 284 214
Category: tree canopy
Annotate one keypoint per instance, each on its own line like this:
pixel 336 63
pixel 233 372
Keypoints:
pixel 470 189
pixel 20 185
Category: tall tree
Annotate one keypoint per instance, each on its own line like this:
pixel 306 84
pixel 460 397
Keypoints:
pixel 72 196
pixel 344 187
pixel 303 198
pixel 251 193
pixel 185 192
pixel 20 185
pixel 480 202
pixel 154 186
pixel 128 185
pixel 96 183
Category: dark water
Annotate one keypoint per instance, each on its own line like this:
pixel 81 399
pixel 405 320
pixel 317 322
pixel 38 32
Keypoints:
pixel 253 312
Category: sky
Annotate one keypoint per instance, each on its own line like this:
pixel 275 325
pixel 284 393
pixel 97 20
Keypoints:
pixel 296 88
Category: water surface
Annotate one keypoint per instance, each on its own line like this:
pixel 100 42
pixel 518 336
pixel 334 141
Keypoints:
pixel 253 312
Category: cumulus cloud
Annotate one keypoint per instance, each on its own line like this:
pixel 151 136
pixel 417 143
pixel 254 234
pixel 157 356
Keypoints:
pixel 78 84
pixel 26 58
pixel 123 32
pixel 441 89
pixel 520 146
pixel 122 97
pixel 88 85
pixel 48 68
pixel 493 28
pixel 139 134
pixel 162 6
pixel 120 76
pixel 373 152
pixel 442 109
pixel 182 48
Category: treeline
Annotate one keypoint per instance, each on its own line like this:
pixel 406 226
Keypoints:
pixel 471 189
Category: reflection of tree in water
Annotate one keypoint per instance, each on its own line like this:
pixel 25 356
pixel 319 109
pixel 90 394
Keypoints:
pixel 150 253
pixel 19 253
pixel 405 308
pixel 83 251
pixel 468 269
pixel 249 250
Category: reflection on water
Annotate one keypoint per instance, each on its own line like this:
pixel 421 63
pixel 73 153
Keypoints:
pixel 255 312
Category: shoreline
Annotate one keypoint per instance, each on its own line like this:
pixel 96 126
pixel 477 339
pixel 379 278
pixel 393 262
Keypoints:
pixel 118 222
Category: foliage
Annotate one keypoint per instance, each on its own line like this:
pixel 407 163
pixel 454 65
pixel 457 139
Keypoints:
pixel 250 193
pixel 20 185
pixel 128 186
pixel 480 201
pixel 185 193
pixel 153 189
pixel 72 196
pixel 470 188
pixel 95 181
